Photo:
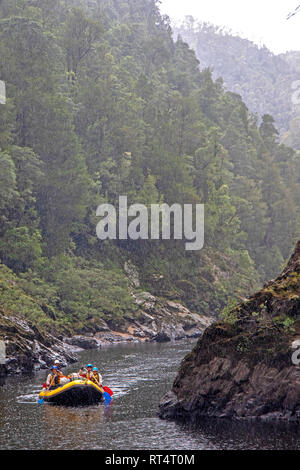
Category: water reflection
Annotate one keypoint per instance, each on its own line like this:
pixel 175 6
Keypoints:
pixel 69 416
pixel 66 415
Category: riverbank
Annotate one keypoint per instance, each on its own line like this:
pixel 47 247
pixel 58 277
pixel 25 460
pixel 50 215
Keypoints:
pixel 29 348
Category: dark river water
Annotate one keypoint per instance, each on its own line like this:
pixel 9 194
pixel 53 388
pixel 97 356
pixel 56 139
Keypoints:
pixel 139 375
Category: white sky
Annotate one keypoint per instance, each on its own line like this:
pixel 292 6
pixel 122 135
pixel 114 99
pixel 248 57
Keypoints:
pixel 261 21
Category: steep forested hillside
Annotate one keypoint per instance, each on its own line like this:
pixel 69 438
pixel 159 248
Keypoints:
pixel 263 79
pixel 102 102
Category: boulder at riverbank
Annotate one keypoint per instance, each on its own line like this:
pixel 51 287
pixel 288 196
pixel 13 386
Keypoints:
pixel 242 368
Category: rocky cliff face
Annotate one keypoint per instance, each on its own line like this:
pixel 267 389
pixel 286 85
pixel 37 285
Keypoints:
pixel 27 348
pixel 242 367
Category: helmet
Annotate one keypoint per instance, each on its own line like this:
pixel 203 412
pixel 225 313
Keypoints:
pixel 89 365
pixel 95 368
pixel 56 361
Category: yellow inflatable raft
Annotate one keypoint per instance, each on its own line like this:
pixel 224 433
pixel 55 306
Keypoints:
pixel 75 393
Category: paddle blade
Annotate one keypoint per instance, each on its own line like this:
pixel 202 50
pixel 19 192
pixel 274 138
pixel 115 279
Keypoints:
pixel 41 401
pixel 108 390
pixel 107 398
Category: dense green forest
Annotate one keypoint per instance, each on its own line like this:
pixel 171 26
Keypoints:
pixel 102 102
pixel 263 79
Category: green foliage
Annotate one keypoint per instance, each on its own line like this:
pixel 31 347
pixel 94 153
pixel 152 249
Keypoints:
pixel 101 103
pixel 21 250
pixel 229 313
pixel 7 180
pixel 285 321
pixel 68 293
pixel 17 301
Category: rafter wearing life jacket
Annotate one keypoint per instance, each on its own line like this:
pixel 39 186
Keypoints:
pixel 96 377
pixel 53 379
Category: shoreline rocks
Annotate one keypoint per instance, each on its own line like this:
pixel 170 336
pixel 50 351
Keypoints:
pixel 83 342
pixel 28 349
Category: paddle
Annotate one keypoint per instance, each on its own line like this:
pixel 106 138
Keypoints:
pixel 106 394
pixel 41 400
pixel 107 398
pixel 108 390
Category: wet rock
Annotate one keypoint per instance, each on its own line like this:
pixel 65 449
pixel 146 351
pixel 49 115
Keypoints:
pixel 244 370
pixel 193 333
pixel 170 406
pixel 162 337
pixel 111 337
pixel 83 342
pixel 28 348
pixel 3 370
pixel 161 320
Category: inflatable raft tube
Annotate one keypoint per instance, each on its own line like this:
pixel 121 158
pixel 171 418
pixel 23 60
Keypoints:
pixel 75 393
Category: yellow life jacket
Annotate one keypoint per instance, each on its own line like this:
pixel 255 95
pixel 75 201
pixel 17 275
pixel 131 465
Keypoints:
pixel 95 377
pixel 55 380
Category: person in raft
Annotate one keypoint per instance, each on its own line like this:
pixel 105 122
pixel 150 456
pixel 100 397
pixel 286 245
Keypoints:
pixel 82 372
pixel 57 364
pixel 96 377
pixel 89 372
pixel 53 379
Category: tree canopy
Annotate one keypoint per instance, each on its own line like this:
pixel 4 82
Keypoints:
pixel 101 102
